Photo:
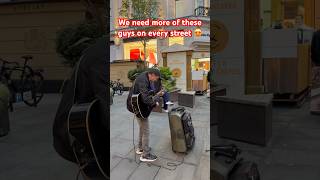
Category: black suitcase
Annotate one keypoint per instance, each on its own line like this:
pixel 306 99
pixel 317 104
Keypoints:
pixel 182 131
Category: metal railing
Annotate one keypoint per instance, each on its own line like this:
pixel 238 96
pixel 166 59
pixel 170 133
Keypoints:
pixel 201 11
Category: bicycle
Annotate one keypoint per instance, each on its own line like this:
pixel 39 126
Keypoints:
pixel 5 73
pixel 111 86
pixel 117 87
pixel 28 86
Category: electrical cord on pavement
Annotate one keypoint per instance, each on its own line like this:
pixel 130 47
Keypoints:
pixel 173 165
pixel 81 167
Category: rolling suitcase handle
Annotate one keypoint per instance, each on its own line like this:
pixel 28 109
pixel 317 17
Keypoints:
pixel 231 151
pixel 178 109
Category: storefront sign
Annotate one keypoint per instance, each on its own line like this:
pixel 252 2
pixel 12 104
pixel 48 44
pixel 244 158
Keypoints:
pixel 177 62
pixel 176 72
pixel 199 55
pixel 204 37
pixel 220 36
pixel 228 45
pixel 29 7
pixel 317 15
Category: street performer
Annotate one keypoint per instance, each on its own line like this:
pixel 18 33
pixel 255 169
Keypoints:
pixel 143 84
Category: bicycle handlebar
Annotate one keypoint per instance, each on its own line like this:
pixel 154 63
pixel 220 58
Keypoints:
pixel 7 62
pixel 27 57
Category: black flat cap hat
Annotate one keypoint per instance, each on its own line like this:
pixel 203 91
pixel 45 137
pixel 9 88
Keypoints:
pixel 155 71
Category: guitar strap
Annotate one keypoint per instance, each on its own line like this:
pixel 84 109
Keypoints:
pixel 72 139
pixel 76 70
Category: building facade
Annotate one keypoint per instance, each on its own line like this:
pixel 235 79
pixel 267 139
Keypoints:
pixel 132 49
pixel 29 27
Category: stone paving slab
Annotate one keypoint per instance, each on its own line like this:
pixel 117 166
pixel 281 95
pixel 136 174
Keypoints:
pixel 203 169
pixel 184 171
pixel 123 170
pixel 144 171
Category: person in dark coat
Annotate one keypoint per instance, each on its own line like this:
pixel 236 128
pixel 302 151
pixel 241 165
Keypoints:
pixel 315 56
pixel 143 84
pixel 91 84
pixel 315 48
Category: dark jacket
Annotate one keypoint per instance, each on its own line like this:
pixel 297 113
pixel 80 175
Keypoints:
pixel 158 85
pixel 315 48
pixel 91 84
pixel 141 85
pixel 209 76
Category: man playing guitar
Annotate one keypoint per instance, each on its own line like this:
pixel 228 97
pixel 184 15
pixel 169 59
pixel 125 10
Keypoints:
pixel 142 87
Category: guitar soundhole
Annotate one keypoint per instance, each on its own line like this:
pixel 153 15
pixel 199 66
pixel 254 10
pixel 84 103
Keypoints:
pixel 136 111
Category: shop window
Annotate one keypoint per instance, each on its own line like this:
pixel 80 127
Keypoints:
pixel 135 51
pixel 176 40
pixel 290 9
pixel 179 8
pixel 200 64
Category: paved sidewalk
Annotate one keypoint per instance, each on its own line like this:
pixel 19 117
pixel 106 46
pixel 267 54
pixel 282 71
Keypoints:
pixel 195 165
pixel 27 152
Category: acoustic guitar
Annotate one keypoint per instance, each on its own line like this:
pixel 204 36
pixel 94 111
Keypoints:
pixel 140 109
pixel 87 137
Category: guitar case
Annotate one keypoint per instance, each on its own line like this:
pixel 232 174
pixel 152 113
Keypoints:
pixel 182 131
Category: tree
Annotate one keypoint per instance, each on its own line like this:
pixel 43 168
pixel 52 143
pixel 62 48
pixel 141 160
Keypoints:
pixel 73 39
pixel 94 13
pixel 141 10
pixel 168 82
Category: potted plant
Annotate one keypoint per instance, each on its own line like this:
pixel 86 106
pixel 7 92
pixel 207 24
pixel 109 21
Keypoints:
pixel 133 73
pixel 73 39
pixel 169 83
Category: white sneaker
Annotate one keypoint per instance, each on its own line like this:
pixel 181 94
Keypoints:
pixel 148 158
pixel 169 103
pixel 139 151
pixel 166 110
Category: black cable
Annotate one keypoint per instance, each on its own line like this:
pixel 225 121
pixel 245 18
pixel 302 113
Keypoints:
pixel 78 174
pixel 79 164
pixel 134 146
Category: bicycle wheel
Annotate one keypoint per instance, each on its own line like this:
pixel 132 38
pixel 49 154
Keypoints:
pixel 32 89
